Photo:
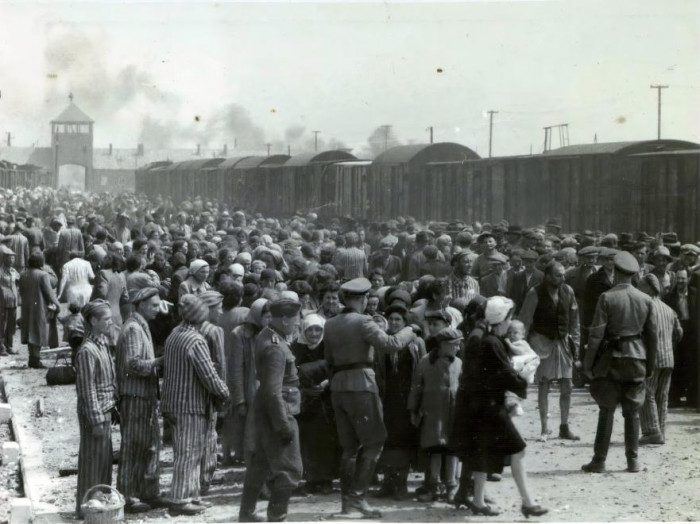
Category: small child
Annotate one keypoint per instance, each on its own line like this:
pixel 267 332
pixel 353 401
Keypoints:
pixel 525 362
pixel 73 328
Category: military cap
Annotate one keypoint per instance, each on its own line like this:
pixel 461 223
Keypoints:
pixel 498 257
pixel 211 297
pixel 588 250
pixel 690 248
pixel 626 263
pixel 285 307
pixel 448 334
pixel 356 286
pixel 528 254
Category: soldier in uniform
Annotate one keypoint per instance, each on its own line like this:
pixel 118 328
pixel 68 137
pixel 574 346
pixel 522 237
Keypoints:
pixel 622 345
pixel 349 338
pixel 277 457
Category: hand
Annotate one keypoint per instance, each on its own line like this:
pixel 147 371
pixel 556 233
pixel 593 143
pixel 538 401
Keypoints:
pixel 242 410
pixel 116 417
pixel 286 435
pixel 578 364
pixel 99 430
pixel 415 418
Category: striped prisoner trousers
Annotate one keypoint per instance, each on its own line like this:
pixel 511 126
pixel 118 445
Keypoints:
pixel 139 469
pixel 209 458
pixel 94 458
pixel 189 440
pixel 653 413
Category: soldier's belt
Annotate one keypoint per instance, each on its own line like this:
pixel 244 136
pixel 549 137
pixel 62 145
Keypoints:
pixel 629 338
pixel 357 365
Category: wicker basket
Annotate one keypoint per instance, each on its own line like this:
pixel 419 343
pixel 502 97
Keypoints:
pixel 95 516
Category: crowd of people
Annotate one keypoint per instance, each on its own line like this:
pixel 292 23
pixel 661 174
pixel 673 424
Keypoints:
pixel 311 350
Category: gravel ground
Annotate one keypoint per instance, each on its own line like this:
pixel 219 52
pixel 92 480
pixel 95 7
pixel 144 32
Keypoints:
pixel 665 490
pixel 10 477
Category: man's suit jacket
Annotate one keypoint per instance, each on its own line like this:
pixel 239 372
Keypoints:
pixel 519 286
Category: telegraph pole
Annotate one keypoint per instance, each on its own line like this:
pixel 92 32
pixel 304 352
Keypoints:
pixel 315 140
pixel 658 116
pixel 289 150
pixel 386 136
pixel 431 133
pixel 491 113
pixel 268 148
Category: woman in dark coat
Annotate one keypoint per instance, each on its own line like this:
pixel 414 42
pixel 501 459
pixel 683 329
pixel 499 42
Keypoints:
pixel 486 437
pixel 317 433
pixel 394 376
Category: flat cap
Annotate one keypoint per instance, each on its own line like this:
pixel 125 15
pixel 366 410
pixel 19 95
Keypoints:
pixel 498 257
pixel 356 286
pixel 529 254
pixel 484 236
pixel 662 251
pixel 588 250
pixel 439 314
pixel 285 307
pixel 448 334
pixel 606 252
pixel 626 263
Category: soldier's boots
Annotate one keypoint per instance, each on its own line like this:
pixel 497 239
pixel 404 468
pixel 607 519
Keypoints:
pixel 594 466
pixel 279 504
pixel 566 434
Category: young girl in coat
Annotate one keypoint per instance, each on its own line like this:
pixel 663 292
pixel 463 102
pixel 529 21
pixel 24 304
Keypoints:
pixel 432 405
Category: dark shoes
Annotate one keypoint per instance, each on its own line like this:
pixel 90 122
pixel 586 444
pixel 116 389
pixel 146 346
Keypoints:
pixel 566 434
pixel 486 511
pixel 654 438
pixel 533 511
pixel 186 509
pixel 594 467
pixel 136 506
pixel 632 465
pixel 358 503
pixel 158 502
pixel 36 364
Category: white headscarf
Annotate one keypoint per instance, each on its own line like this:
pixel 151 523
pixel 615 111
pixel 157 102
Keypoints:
pixel 311 320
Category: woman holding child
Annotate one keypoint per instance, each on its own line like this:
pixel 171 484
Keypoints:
pixel 486 434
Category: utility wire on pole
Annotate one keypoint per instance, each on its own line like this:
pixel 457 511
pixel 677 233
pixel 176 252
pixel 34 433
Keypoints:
pixel 658 116
pixel 491 113
pixel 315 140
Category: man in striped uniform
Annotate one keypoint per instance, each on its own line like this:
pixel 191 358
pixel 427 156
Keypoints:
pixel 461 284
pixel 350 261
pixel 214 336
pixel 137 375
pixel 191 386
pixel 277 456
pixel 653 413
pixel 96 388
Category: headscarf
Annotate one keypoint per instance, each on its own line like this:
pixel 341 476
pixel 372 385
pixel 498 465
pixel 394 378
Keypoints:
pixel 93 308
pixel 254 316
pixel 497 309
pixel 311 320
pixel 196 265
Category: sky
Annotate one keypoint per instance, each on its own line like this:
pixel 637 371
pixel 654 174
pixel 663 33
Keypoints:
pixel 177 74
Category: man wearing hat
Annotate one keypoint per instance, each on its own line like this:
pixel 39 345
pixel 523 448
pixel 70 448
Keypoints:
pixel 598 283
pixel 496 282
pixel 461 284
pixel 521 282
pixel 660 260
pixel 622 346
pixel 277 456
pixel 482 264
pixel 388 263
pixel 349 338
pixel 214 337
pixel 19 244
pixel 688 259
pixel 9 278
pixel 137 370
pixel 70 240
pixel 191 388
